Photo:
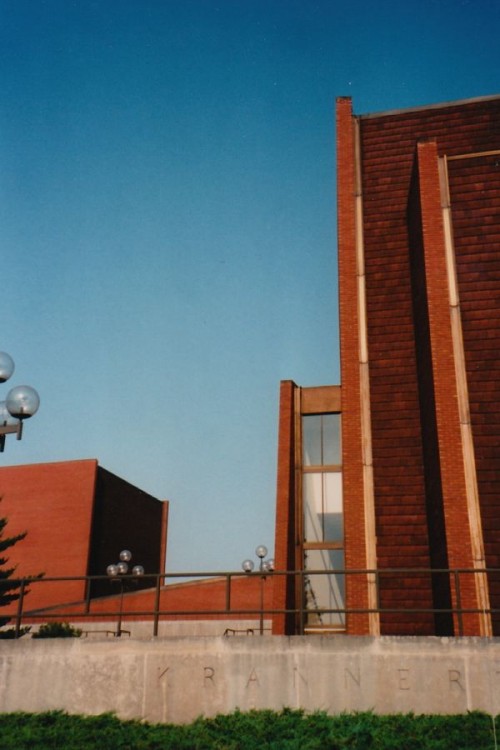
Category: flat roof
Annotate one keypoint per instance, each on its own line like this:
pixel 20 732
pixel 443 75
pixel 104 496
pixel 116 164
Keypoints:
pixel 441 105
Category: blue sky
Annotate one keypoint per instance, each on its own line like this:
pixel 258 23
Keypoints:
pixel 168 228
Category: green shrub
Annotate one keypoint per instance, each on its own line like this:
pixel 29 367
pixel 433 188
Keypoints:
pixel 10 633
pixel 255 730
pixel 57 630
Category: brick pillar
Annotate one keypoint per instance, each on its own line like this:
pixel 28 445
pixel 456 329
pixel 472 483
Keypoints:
pixel 456 505
pixel 285 536
pixel 352 461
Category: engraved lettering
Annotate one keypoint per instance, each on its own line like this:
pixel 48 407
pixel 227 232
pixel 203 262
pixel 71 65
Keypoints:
pixel 298 677
pixel 454 677
pixel 208 674
pixel 163 685
pixel 356 678
pixel 404 675
pixel 253 678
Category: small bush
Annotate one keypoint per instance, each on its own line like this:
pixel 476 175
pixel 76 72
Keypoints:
pixel 11 633
pixel 57 630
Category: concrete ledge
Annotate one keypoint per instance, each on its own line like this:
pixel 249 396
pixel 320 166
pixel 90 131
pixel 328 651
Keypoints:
pixel 177 679
pixel 174 628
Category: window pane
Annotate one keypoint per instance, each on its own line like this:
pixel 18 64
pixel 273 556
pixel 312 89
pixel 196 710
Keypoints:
pixel 312 494
pixel 321 440
pixel 331 439
pixel 333 523
pixel 325 591
pixel 322 500
pixel 311 440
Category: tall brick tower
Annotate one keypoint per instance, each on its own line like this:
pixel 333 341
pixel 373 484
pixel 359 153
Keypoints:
pixel 419 286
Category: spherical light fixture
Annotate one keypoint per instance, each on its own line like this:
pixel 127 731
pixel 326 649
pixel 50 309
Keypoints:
pixel 265 566
pixel 21 402
pixel 268 566
pixel 6 366
pixel 6 417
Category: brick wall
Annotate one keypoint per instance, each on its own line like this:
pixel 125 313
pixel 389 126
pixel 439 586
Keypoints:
pixel 124 517
pixel 54 504
pixel 406 475
pixel 447 417
pixel 192 600
pixel 352 460
pixel 475 205
pixel 438 552
pixel 286 543
pixel 78 517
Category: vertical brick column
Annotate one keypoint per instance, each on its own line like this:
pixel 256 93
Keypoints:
pixel 454 490
pixel 352 462
pixel 284 545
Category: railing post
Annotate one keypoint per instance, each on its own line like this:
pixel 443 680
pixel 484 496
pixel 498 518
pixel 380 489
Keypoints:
pixel 377 590
pixel 301 599
pixel 87 594
pixel 19 614
pixel 156 615
pixel 228 593
pixel 118 632
pixel 456 578
pixel 261 619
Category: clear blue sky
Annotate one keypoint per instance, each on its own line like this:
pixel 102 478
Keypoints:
pixel 168 228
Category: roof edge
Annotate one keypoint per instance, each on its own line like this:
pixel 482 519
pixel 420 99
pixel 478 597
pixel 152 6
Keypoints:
pixel 440 105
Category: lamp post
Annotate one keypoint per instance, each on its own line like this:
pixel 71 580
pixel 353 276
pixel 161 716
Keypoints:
pixel 265 566
pixel 21 403
pixel 120 572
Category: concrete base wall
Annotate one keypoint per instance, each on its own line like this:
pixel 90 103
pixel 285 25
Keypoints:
pixel 177 679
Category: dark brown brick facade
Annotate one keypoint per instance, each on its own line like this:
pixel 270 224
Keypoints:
pixel 419 485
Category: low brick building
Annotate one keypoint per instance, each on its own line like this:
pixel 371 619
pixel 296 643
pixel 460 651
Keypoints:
pixel 78 516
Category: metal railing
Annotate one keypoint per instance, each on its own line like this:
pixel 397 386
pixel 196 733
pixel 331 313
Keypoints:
pixel 166 585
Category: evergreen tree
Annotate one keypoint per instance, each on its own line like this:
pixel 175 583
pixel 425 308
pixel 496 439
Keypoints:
pixel 8 587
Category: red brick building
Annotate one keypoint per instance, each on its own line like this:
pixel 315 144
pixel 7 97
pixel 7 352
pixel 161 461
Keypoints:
pixel 78 516
pixel 386 483
pixel 419 286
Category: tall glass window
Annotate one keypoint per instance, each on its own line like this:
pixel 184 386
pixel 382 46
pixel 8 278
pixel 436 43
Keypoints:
pixel 323 521
pixel 322 501
pixel 321 440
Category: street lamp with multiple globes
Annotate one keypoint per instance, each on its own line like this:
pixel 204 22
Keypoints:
pixel 265 567
pixel 120 572
pixel 21 403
